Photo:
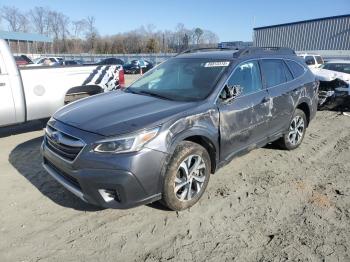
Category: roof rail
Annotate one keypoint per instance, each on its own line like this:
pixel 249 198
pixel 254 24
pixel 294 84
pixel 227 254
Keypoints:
pixel 264 50
pixel 202 49
pixel 237 53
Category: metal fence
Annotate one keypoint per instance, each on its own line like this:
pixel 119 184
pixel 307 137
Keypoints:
pixel 154 58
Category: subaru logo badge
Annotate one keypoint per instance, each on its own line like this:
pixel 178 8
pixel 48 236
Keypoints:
pixel 55 137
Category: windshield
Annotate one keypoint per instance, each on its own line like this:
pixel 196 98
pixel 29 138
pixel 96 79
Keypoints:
pixel 341 67
pixel 182 79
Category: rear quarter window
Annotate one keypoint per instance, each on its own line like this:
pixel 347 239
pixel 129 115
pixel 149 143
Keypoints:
pixel 296 69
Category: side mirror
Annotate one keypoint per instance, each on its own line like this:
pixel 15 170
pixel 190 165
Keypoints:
pixel 230 92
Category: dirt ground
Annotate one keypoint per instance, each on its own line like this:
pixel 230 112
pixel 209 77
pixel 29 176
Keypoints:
pixel 269 205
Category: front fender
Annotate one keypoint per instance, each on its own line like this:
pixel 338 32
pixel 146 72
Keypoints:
pixel 211 136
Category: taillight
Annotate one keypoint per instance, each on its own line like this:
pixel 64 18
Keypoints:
pixel 121 79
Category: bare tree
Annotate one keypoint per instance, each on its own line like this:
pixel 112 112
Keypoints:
pixel 198 33
pixel 91 32
pixel 210 37
pixel 39 19
pixel 54 24
pixel 13 17
pixel 82 35
pixel 78 27
pixel 64 30
pixel 24 23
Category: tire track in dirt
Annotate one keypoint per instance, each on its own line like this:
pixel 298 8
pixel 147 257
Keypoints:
pixel 267 205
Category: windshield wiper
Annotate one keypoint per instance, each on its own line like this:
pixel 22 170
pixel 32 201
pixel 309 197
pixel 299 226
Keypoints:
pixel 143 92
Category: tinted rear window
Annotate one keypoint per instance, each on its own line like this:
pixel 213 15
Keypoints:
pixel 297 70
pixel 319 59
pixel 273 71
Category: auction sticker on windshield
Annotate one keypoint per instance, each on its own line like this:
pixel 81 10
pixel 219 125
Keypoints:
pixel 216 64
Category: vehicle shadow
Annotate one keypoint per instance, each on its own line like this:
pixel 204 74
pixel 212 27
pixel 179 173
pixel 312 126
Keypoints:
pixel 27 160
pixel 23 128
pixel 273 146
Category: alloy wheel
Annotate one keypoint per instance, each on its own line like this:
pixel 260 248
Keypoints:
pixel 296 130
pixel 190 178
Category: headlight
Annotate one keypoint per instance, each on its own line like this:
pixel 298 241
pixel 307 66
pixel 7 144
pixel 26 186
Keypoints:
pixel 126 144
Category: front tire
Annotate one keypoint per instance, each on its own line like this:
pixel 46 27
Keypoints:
pixel 187 176
pixel 297 128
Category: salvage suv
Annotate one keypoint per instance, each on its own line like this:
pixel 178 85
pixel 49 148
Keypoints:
pixel 162 137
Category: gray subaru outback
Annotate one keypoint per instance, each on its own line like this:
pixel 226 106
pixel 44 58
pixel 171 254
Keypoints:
pixel 162 137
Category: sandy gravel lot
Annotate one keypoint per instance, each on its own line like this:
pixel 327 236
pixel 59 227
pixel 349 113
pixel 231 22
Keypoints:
pixel 269 205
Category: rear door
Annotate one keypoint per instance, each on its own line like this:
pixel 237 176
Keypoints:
pixel 7 105
pixel 277 80
pixel 243 120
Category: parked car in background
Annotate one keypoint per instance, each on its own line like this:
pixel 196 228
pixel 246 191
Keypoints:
pixel 30 93
pixel 334 91
pixel 163 136
pixel 49 61
pixel 72 62
pixel 135 66
pixel 313 61
pixel 342 66
pixel 23 60
pixel 111 61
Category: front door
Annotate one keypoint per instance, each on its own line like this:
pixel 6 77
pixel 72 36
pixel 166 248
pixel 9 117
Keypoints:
pixel 7 106
pixel 243 119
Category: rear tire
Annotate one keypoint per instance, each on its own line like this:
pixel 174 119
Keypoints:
pixel 296 132
pixel 187 176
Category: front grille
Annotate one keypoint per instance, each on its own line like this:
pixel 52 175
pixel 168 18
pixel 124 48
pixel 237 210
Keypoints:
pixel 67 177
pixel 62 144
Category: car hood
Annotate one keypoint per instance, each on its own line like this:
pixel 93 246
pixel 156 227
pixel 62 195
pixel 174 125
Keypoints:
pixel 129 66
pixel 116 113
pixel 330 75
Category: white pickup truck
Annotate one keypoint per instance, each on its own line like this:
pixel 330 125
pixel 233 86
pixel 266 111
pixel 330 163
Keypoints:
pixel 37 92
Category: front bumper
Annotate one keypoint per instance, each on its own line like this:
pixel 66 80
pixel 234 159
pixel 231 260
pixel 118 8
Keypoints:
pixel 330 100
pixel 106 180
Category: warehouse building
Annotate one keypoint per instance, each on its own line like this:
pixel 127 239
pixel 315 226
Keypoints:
pixel 329 33
pixel 27 43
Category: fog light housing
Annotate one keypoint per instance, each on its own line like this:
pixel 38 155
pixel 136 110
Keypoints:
pixel 109 195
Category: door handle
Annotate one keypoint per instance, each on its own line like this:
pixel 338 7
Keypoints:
pixel 2 84
pixel 265 100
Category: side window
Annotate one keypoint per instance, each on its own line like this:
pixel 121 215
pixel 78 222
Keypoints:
pixel 273 71
pixel 247 76
pixel 297 70
pixel 309 60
